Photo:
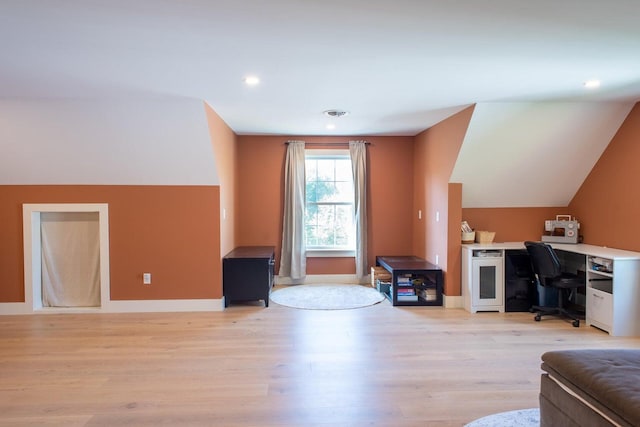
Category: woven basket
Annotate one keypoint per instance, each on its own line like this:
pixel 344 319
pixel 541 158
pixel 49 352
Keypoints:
pixel 485 236
pixel 468 237
pixel 379 273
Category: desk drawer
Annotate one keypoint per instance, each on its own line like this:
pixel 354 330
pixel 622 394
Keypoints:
pixel 599 307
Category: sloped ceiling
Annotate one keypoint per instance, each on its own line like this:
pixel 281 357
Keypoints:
pixel 398 66
pixel 142 141
pixel 533 154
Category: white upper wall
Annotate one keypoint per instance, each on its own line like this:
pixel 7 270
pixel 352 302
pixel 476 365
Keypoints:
pixel 141 141
pixel 533 154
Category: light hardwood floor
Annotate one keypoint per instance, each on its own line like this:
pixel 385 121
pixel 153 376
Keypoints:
pixel 277 366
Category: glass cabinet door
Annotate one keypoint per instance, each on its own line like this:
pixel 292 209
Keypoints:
pixel 487 281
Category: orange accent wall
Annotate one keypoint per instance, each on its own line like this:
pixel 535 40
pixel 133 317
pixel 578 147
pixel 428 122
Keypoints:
pixel 259 191
pixel 259 196
pixel 608 202
pixel 224 145
pixel 331 265
pixel 390 196
pixel 512 224
pixel 436 151
pixel 170 231
pixel 453 275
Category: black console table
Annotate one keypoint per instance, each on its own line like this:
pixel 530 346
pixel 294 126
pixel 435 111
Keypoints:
pixel 247 274
pixel 411 272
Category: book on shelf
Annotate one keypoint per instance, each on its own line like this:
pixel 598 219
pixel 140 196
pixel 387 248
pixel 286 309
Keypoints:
pixel 428 294
pixel 407 297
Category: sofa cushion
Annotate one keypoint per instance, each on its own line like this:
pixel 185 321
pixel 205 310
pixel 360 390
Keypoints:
pixel 608 377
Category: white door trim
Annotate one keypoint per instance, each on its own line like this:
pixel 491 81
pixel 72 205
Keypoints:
pixel 33 253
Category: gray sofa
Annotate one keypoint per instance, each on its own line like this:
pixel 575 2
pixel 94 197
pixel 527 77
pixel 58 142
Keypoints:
pixel 590 388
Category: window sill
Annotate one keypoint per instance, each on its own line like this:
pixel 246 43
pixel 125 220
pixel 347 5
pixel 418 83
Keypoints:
pixel 330 253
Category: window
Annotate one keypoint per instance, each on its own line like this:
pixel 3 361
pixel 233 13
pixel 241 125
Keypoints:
pixel 329 203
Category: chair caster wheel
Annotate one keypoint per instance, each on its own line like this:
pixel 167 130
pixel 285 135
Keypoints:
pixel 576 323
pixel 537 318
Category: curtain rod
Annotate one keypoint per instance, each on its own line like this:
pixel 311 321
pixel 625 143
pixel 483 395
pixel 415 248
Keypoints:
pixel 327 143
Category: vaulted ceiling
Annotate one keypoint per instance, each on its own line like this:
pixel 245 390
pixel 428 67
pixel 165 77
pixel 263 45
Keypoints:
pixel 398 67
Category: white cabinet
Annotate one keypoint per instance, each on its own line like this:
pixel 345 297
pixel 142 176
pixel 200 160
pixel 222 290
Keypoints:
pixel 612 288
pixel 613 295
pixel 483 280
pixel 600 308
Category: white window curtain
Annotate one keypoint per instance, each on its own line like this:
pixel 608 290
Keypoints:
pixel 293 262
pixel 70 259
pixel 358 152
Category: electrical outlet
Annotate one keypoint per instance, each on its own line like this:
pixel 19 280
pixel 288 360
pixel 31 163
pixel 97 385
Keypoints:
pixel 146 278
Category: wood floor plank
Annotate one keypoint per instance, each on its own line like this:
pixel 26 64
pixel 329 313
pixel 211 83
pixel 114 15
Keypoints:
pixel 277 366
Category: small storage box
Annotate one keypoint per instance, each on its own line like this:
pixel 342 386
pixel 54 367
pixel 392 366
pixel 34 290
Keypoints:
pixel 383 286
pixel 379 273
pixel 468 237
pixel 485 236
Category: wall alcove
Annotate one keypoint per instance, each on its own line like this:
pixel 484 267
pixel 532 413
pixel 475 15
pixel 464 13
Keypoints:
pixel 33 253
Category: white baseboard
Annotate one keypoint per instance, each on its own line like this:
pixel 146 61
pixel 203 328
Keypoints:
pixel 133 306
pixel 322 278
pixel 174 305
pixel 186 305
pixel 452 301
pixel 9 308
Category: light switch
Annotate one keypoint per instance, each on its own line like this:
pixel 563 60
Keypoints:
pixel 146 278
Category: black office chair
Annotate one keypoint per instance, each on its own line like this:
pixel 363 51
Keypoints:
pixel 546 268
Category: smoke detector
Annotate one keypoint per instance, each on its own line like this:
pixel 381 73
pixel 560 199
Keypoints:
pixel 335 113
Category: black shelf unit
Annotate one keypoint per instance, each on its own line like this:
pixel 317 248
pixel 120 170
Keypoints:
pixel 422 275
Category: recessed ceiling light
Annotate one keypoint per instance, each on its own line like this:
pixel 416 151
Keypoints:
pixel 592 84
pixel 251 80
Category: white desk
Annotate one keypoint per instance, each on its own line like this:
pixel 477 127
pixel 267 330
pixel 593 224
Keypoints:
pixel 612 298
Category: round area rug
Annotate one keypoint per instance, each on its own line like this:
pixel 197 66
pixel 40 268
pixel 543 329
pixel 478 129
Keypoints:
pixel 519 418
pixel 326 297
